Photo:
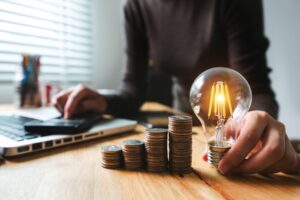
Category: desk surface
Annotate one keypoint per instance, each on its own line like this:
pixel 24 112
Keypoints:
pixel 74 172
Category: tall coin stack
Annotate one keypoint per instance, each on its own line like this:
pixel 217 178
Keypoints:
pixel 134 153
pixel 156 149
pixel 112 157
pixel 180 143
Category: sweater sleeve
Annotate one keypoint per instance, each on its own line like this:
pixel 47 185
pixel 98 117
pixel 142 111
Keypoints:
pixel 128 99
pixel 247 45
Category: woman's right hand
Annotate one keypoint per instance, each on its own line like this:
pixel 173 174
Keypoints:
pixel 78 100
pixel 276 154
pixel 262 147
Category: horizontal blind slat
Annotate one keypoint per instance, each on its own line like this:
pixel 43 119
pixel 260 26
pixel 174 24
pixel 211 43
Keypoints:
pixel 60 52
pixel 54 69
pixel 36 8
pixel 11 17
pixel 34 42
pixel 7 78
pixel 42 34
pixel 54 56
pixel 84 9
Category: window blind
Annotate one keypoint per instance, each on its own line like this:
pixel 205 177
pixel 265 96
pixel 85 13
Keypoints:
pixel 60 31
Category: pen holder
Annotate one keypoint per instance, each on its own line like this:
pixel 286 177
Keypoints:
pixel 27 82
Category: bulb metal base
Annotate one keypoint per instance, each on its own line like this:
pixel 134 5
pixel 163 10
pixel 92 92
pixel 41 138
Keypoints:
pixel 216 153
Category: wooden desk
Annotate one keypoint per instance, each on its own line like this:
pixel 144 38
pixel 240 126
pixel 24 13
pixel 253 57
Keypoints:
pixel 74 172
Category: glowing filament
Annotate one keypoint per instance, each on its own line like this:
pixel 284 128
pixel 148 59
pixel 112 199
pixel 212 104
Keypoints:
pixel 219 101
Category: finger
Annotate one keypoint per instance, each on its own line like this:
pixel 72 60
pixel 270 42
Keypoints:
pixel 60 100
pixel 273 150
pixel 253 128
pixel 92 104
pixel 229 129
pixel 77 111
pixel 74 99
pixel 57 106
pixel 256 149
pixel 233 128
pixel 56 101
pixel 277 167
pixel 287 163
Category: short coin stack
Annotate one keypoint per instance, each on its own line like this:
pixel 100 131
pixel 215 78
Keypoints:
pixel 112 157
pixel 180 143
pixel 134 153
pixel 156 149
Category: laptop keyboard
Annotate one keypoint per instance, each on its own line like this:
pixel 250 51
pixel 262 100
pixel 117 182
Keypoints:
pixel 13 128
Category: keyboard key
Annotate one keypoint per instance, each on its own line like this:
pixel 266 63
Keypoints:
pixel 5 133
pixel 13 128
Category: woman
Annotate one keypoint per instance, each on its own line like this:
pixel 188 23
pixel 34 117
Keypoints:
pixel 184 38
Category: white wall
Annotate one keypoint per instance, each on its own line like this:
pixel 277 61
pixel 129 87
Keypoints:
pixel 108 49
pixel 282 22
pixel 7 93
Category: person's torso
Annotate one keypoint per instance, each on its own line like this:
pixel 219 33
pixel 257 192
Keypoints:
pixel 185 37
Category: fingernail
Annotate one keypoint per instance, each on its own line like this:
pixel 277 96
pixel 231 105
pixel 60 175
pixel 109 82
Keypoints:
pixel 223 169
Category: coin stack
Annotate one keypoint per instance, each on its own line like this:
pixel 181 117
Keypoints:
pixel 112 157
pixel 134 153
pixel 156 149
pixel 180 143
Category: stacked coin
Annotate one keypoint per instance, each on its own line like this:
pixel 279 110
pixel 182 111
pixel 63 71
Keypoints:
pixel 134 153
pixel 112 157
pixel 180 143
pixel 156 149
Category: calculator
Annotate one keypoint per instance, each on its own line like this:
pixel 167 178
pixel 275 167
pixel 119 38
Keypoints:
pixel 63 126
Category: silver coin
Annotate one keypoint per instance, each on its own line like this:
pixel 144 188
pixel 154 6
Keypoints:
pixel 133 142
pixel 111 148
pixel 156 130
pixel 180 118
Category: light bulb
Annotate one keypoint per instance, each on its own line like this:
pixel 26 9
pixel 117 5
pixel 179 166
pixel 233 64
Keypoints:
pixel 220 97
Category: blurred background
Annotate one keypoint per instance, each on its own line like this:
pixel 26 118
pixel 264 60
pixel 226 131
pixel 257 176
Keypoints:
pixel 80 41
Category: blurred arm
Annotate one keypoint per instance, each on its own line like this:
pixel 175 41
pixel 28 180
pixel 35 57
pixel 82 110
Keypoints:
pixel 133 89
pixel 247 45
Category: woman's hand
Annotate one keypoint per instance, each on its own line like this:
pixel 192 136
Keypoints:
pixel 262 147
pixel 78 100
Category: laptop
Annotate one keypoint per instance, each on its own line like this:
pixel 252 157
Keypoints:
pixel 15 140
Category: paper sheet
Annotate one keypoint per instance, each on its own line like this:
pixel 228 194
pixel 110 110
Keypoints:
pixel 43 113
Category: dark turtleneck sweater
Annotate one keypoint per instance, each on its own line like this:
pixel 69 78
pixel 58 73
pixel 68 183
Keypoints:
pixel 185 37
